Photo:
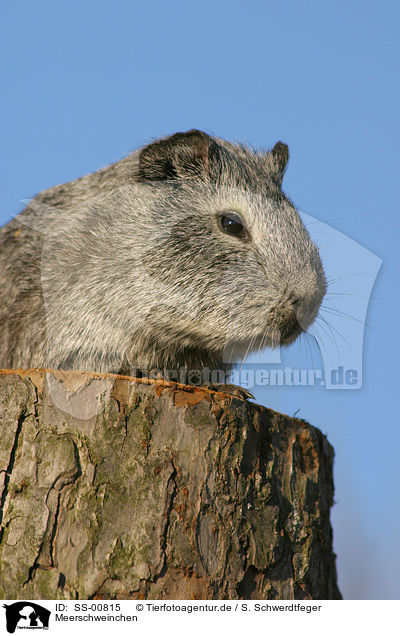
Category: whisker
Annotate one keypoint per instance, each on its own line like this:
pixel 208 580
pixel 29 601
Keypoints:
pixel 339 294
pixel 247 352
pixel 307 337
pixel 331 327
pixel 338 312
pixel 302 339
pixel 330 336
pixel 339 278
pixel 264 339
pixel 323 349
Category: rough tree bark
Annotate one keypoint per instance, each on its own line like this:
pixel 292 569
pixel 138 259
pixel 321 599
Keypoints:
pixel 112 487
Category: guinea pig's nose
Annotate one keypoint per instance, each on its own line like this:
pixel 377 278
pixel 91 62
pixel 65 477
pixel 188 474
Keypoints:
pixel 306 308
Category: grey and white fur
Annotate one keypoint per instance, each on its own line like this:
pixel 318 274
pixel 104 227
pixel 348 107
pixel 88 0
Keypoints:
pixel 132 265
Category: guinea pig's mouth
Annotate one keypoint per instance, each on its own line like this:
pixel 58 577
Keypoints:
pixel 286 325
pixel 290 330
pixel 289 334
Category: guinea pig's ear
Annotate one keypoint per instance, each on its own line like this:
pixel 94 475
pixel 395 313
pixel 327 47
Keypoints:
pixel 181 156
pixel 279 159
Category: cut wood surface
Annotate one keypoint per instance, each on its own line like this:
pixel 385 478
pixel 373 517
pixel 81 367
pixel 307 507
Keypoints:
pixel 115 488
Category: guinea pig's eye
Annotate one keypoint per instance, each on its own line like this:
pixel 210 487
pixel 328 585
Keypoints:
pixel 231 223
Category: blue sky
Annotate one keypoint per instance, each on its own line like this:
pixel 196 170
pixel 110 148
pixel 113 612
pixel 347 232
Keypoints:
pixel 86 83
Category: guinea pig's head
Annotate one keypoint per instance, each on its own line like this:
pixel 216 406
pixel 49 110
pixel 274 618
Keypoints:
pixel 236 265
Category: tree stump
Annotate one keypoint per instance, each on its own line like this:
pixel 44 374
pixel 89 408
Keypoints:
pixel 118 488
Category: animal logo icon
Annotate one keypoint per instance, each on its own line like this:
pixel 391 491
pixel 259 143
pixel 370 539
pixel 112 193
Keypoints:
pixel 26 615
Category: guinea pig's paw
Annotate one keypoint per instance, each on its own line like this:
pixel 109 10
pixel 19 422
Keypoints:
pixel 231 389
